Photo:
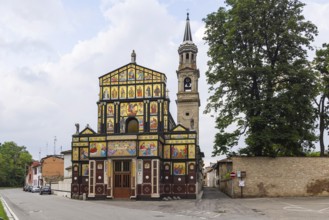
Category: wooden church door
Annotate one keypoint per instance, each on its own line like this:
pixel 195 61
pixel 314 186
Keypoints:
pixel 122 180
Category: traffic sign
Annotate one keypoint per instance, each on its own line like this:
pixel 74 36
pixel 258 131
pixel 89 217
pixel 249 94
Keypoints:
pixel 233 174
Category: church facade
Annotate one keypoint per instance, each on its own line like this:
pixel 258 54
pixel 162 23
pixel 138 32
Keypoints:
pixel 138 150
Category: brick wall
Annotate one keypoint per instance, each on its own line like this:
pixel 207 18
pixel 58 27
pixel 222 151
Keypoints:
pixel 52 169
pixel 281 176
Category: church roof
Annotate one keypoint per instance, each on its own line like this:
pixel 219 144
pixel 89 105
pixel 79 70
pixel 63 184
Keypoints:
pixel 187 33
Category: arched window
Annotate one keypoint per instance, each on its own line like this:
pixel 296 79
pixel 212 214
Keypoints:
pixel 132 125
pixel 187 84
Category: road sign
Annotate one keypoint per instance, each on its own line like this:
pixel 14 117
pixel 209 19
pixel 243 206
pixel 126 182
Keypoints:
pixel 233 174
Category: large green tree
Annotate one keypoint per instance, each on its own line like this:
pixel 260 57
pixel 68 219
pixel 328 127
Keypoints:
pixel 14 160
pixel 261 83
pixel 321 64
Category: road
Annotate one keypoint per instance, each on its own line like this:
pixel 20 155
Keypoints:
pixel 213 205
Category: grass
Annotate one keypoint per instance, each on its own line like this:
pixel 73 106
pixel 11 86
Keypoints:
pixel 2 212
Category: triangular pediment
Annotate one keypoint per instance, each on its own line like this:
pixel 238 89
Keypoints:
pixel 87 130
pixel 130 74
pixel 179 127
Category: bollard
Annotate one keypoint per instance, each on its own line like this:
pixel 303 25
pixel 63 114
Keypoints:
pixel 84 196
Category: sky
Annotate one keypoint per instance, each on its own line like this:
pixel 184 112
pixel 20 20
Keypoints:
pixel 52 53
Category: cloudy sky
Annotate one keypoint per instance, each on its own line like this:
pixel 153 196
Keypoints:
pixel 52 53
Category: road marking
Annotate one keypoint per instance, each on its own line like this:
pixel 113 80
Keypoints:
pixel 323 210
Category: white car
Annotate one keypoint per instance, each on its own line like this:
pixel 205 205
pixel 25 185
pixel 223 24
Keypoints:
pixel 35 189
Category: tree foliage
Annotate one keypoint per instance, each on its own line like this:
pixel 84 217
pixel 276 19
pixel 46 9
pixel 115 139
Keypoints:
pixel 14 160
pixel 261 82
pixel 321 64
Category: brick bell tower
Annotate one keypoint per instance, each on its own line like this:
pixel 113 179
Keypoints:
pixel 188 101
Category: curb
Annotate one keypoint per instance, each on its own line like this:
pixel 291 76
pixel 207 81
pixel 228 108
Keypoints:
pixel 11 215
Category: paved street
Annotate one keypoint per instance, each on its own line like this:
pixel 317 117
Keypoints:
pixel 213 205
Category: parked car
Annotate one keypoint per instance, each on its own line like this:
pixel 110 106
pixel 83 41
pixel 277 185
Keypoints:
pixel 45 190
pixel 35 189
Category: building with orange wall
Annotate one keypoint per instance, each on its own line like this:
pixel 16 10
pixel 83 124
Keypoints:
pixel 52 169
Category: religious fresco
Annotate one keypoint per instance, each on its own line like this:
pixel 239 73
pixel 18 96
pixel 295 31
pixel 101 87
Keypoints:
pixel 123 109
pixel 114 92
pixel 123 76
pixel 156 90
pixel 139 92
pixel 191 151
pixel 148 148
pixel 106 93
pixel 178 152
pixel 97 149
pixel 75 153
pixel 84 169
pixel 114 79
pixel 110 110
pixel 148 91
pixel 139 75
pixel 153 108
pixel 84 153
pixel 131 92
pixel 121 148
pixel 110 124
pixel 131 75
pixel 179 169
pixel 166 152
pixel 132 109
pixel 148 76
pixel 154 122
pixel 123 92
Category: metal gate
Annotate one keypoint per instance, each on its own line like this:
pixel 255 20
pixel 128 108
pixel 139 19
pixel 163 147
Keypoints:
pixel 122 180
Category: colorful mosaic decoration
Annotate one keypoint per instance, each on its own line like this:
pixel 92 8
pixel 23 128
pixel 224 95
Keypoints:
pixel 191 151
pixel 178 152
pixel 121 148
pixel 84 153
pixel 166 152
pixel 179 169
pixel 148 148
pixel 75 153
pixel 97 149
pixel 84 169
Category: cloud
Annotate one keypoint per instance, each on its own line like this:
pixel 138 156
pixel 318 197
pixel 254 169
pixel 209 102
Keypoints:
pixel 52 53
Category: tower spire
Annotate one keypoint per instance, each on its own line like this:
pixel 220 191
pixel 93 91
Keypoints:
pixel 187 33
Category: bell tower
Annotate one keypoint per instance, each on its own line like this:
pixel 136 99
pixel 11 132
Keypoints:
pixel 188 101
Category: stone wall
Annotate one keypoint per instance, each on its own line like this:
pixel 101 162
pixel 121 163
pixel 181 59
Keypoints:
pixel 281 176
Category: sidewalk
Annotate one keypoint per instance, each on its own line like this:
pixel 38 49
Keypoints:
pixel 10 214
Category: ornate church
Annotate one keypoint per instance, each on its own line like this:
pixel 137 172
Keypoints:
pixel 138 151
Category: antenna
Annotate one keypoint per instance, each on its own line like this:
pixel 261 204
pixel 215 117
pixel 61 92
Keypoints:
pixel 55 139
pixel 39 153
pixel 46 148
